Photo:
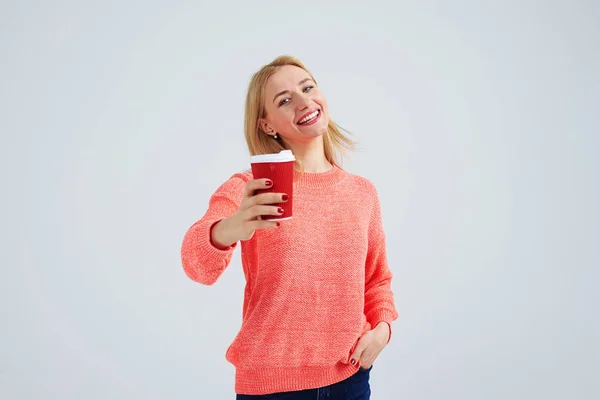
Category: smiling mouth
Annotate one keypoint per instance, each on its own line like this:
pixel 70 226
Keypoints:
pixel 310 118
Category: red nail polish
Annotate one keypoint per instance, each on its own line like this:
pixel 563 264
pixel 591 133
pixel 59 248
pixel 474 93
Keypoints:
pixel 284 197
pixel 352 361
pixel 280 210
pixel 278 224
pixel 268 183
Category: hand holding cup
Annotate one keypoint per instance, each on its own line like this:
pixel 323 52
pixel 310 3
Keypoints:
pixel 248 217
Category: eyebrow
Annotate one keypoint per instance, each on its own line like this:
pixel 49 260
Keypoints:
pixel 287 91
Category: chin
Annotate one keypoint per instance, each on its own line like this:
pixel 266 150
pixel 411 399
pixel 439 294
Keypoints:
pixel 320 128
pixel 318 131
pixel 323 130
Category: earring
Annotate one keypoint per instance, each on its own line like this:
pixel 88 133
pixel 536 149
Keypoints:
pixel 271 131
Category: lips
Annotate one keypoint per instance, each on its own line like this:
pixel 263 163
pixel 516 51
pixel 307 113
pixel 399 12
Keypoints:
pixel 309 117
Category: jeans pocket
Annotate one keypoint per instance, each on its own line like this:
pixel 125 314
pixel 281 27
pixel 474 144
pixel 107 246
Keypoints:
pixel 365 369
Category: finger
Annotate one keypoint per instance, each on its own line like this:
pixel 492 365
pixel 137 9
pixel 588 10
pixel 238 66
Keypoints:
pixel 254 185
pixel 368 356
pixel 263 224
pixel 355 357
pixel 358 351
pixel 269 198
pixel 366 359
pixel 258 210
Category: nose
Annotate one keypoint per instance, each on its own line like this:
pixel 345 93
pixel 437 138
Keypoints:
pixel 303 102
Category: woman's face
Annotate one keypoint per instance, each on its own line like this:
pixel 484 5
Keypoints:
pixel 295 107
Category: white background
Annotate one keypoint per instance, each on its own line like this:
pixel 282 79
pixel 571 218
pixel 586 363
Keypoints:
pixel 477 122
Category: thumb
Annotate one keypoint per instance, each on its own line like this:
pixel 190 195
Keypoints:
pixel 360 347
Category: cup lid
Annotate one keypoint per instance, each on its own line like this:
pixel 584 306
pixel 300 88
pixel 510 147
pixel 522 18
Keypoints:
pixel 282 156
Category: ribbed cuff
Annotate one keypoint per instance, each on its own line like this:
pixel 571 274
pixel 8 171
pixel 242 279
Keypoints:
pixel 213 252
pixel 212 259
pixel 383 316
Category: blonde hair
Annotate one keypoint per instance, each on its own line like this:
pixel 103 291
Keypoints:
pixel 334 141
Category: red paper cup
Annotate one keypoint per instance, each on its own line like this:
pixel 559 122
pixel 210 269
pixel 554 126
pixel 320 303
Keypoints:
pixel 279 168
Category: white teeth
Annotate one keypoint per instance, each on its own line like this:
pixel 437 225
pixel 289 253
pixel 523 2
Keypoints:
pixel 309 117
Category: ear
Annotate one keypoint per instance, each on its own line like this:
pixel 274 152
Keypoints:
pixel 264 125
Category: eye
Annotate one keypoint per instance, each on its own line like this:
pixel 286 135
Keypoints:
pixel 283 102
pixel 307 89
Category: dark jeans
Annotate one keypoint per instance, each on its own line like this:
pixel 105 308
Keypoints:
pixel 355 387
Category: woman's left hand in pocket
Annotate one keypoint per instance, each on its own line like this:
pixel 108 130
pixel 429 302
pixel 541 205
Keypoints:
pixel 370 345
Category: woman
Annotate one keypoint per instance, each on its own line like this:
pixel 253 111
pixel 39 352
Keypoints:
pixel 318 304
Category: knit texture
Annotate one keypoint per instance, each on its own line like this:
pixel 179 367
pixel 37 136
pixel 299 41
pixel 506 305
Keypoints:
pixel 314 285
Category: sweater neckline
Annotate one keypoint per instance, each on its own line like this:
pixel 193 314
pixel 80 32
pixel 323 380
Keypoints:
pixel 320 180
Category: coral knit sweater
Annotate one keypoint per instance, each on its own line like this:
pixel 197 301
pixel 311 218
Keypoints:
pixel 314 285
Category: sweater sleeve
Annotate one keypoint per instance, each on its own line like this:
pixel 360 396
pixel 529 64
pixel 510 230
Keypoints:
pixel 202 261
pixel 379 299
